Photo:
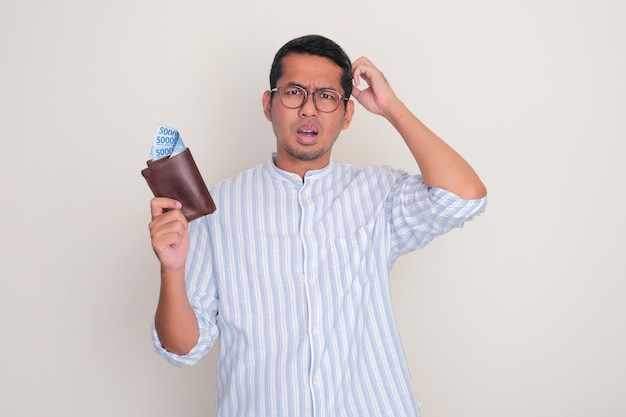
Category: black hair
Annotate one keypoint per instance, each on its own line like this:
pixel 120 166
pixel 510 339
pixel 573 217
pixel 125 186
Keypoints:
pixel 314 45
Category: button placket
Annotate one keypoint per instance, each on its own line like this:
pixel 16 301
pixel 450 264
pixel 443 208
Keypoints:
pixel 311 284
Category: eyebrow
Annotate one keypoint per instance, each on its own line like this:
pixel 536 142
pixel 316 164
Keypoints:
pixel 296 84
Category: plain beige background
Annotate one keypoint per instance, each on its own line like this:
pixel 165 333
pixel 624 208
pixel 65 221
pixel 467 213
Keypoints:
pixel 520 313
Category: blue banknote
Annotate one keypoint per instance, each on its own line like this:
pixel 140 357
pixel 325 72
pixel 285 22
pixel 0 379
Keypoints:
pixel 167 142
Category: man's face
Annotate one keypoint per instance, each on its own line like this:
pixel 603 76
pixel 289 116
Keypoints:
pixel 305 135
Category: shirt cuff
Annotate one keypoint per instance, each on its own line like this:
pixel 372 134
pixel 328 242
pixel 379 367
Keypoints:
pixel 448 204
pixel 208 334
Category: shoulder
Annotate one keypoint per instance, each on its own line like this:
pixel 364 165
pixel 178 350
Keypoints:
pixel 241 177
pixel 377 182
pixel 371 174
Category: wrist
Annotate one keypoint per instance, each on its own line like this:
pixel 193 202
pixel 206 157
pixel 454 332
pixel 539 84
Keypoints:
pixel 395 110
pixel 170 274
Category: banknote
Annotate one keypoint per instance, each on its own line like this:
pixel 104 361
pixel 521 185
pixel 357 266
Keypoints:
pixel 167 142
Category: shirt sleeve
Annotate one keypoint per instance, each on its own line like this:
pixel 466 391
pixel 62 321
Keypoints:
pixel 419 213
pixel 203 297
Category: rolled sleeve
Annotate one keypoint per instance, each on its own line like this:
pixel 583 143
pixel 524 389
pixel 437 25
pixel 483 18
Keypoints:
pixel 450 205
pixel 420 213
pixel 208 335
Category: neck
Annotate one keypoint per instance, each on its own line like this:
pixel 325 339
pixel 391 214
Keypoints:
pixel 300 167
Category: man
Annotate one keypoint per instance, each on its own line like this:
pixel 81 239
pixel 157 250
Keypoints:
pixel 292 270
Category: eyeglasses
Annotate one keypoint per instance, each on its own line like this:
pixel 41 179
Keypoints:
pixel 325 100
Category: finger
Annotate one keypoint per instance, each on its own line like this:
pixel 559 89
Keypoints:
pixel 159 205
pixel 363 75
pixel 164 241
pixel 168 229
pixel 359 76
pixel 355 76
pixel 357 71
pixel 361 60
pixel 172 220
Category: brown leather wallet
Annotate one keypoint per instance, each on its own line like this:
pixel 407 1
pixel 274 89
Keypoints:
pixel 178 177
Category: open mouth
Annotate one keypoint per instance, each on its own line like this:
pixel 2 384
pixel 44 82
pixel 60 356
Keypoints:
pixel 307 134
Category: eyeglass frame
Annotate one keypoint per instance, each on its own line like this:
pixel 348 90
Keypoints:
pixel 306 96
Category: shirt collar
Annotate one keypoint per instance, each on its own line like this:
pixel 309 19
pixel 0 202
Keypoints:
pixel 271 167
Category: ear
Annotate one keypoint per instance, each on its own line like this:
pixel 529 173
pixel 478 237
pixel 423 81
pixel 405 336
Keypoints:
pixel 347 116
pixel 267 105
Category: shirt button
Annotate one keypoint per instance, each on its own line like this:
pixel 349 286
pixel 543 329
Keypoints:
pixel 316 381
pixel 316 332
pixel 307 236
pixel 304 194
pixel 312 282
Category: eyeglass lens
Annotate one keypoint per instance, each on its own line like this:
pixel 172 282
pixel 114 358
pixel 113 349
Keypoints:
pixel 294 97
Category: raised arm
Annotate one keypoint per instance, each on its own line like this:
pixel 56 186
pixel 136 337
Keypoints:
pixel 175 320
pixel 440 165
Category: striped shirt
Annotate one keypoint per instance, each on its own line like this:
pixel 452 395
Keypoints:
pixel 292 276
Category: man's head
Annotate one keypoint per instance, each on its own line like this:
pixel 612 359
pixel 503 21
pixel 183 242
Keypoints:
pixel 314 45
pixel 309 79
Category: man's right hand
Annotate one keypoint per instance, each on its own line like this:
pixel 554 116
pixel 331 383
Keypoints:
pixel 175 320
pixel 169 233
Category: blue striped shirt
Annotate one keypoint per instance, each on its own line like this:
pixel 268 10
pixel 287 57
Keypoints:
pixel 292 276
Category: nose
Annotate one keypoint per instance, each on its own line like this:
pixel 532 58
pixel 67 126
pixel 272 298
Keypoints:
pixel 308 108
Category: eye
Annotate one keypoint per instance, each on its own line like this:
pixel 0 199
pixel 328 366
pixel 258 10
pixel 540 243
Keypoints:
pixel 327 95
pixel 293 91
